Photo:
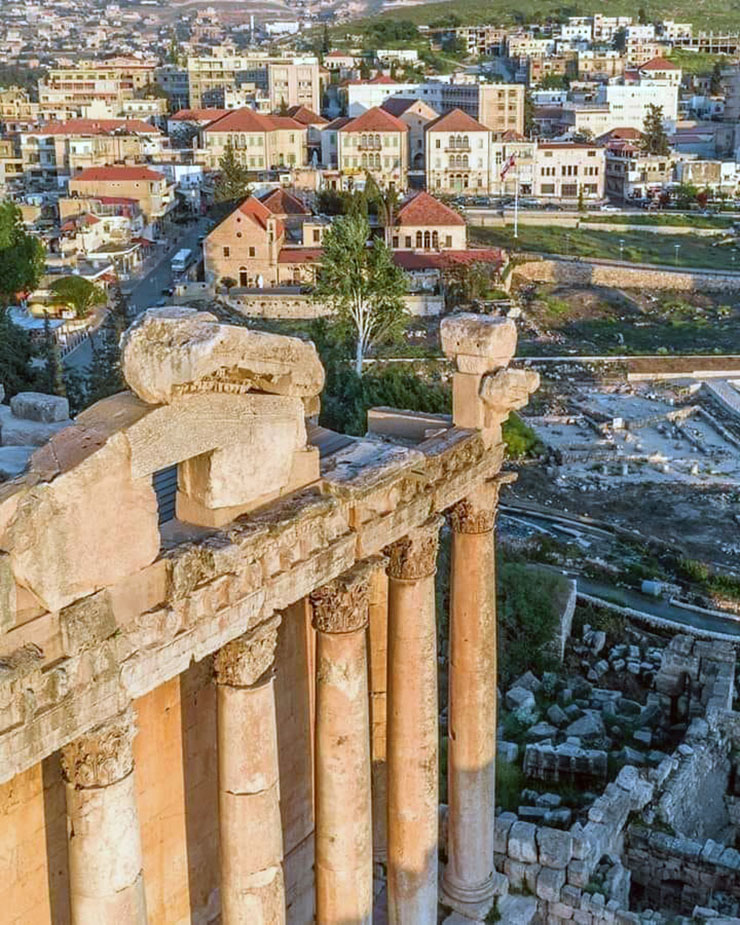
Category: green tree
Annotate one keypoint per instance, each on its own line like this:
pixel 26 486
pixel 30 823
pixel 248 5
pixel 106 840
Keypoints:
pixel 21 255
pixel 528 114
pixel 642 16
pixel 554 82
pixel 386 201
pixel 104 376
pixel 362 285
pixel 78 293
pixel 52 380
pixel 325 43
pixel 654 138
pixel 620 39
pixel 233 178
pixel 283 110
pixel 15 357
pixel 715 82
pixel 686 194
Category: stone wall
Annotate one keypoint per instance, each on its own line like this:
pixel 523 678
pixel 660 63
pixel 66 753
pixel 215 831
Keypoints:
pixel 584 273
pixel 298 306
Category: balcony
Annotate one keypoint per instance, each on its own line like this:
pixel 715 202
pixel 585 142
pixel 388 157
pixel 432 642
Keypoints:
pixel 458 149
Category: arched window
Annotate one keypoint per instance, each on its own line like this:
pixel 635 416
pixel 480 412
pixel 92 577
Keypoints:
pixel 364 160
pixel 419 241
pixel 465 142
pixel 427 240
pixel 435 239
pixel 243 277
pixel 363 141
pixel 465 160
pixel 377 141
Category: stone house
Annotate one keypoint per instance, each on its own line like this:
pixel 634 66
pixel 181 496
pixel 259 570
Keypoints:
pixel 375 142
pixel 630 173
pixel 149 188
pixel 260 142
pixel 423 223
pixel 417 115
pixel 458 154
pixel 564 170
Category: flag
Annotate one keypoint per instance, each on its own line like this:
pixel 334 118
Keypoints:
pixel 507 166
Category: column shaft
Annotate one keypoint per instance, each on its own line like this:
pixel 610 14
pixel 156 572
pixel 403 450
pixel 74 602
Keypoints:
pixel 343 801
pixel 105 864
pixel 378 679
pixel 251 838
pixel 413 729
pixel 471 773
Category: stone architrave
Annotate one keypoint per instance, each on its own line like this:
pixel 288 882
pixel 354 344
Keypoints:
pixel 344 857
pixel 469 877
pixel 413 784
pixel 251 843
pixel 106 882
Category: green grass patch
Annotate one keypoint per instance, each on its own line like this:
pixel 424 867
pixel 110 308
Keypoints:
pixel 521 441
pixel 638 246
pixel 670 219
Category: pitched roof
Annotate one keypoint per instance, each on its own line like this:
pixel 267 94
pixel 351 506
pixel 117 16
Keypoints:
pixel 199 115
pixel 375 120
pixel 98 127
pixel 281 202
pixel 456 121
pixel 247 120
pixel 659 64
pixel 423 209
pixel 398 105
pixel 410 260
pixel 256 210
pixel 118 173
pixel 300 254
pixel 338 123
pixel 305 116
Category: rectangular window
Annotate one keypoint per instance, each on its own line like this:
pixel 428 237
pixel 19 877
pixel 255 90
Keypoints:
pixel 316 235
pixel 448 240
pixel 227 252
pixel 547 189
pixel 395 240
pixel 570 189
pixel 252 252
pixel 408 241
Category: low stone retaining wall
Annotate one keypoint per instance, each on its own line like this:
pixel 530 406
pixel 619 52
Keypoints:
pixel 585 273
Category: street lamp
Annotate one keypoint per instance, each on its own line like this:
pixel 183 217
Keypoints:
pixel 621 248
pixel 676 247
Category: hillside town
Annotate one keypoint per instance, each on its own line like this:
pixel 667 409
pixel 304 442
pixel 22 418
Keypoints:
pixel 369 464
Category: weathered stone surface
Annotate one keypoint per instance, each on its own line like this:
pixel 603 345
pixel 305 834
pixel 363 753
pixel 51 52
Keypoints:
pixel 86 623
pixel 555 847
pixel 522 842
pixel 37 406
pixel 7 593
pixel 589 726
pixel 508 389
pixel 14 460
pixel 549 883
pixel 243 661
pixel 170 351
pixel 20 432
pixel 88 528
pixel 479 343
pixel 517 697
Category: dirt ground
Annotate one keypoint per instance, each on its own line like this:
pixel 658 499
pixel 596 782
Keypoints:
pixel 697 521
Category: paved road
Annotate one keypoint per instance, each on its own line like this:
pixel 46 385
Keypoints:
pixel 146 290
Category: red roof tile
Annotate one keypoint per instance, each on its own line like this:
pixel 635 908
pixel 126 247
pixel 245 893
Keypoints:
pixel 247 120
pixel 118 173
pixel 456 121
pixel 300 254
pixel 281 202
pixel 659 64
pixel 375 120
pixel 306 116
pixel 409 260
pixel 98 127
pixel 199 115
pixel 423 209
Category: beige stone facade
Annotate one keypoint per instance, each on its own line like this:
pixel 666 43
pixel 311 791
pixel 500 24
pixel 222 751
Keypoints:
pixel 567 170
pixel 186 676
pixel 150 189
pixel 375 143
pixel 458 154
pixel 259 141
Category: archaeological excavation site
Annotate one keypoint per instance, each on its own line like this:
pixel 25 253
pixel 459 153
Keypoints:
pixel 254 671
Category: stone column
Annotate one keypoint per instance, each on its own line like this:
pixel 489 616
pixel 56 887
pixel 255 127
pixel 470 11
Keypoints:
pixel 106 883
pixel 413 728
pixel 378 674
pixel 344 857
pixel 468 881
pixel 251 835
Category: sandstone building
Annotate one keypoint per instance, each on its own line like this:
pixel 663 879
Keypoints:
pixel 229 706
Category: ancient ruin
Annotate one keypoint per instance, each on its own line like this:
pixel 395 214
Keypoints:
pixel 230 707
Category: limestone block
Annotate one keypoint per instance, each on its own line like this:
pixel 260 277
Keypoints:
pixel 508 389
pixel 13 460
pixel 502 825
pixel 522 842
pixel 8 595
pixel 36 406
pixel 521 875
pixel 20 432
pixel 479 343
pixel 87 528
pixel 555 847
pixel 549 884
pixel 169 351
pixel 86 623
pixel 579 873
pixel 517 697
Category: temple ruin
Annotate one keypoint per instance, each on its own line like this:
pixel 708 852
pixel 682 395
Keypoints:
pixel 222 701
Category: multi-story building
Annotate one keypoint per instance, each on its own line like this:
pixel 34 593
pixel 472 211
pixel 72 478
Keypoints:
pixel 150 189
pixel 259 142
pixel 65 148
pixel 569 170
pixel 513 164
pixel 715 175
pixel 458 154
pixel 594 64
pixel 106 82
pixel 630 173
pixel 541 66
pixel 16 108
pixel 605 28
pixel 294 83
pixel 417 115
pixel 525 44
pixel 375 142
pixel 656 83
pixel 174 81
pixel 482 41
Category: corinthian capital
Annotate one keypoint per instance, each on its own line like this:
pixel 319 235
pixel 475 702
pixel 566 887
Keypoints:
pixel 243 661
pixel 102 756
pixel 476 513
pixel 415 556
pixel 342 605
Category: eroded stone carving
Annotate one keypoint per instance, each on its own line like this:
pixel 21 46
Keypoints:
pixel 342 605
pixel 242 662
pixel 508 389
pixel 102 756
pixel 415 556
pixel 478 343
pixel 172 351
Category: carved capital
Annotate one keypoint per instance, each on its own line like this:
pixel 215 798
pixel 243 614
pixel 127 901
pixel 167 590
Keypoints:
pixel 243 661
pixel 476 513
pixel 415 556
pixel 342 605
pixel 102 756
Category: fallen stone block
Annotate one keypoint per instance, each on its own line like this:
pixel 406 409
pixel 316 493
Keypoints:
pixel 522 842
pixel 37 406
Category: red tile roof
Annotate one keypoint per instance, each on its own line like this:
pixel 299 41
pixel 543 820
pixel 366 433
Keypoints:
pixel 118 173
pixel 659 64
pixel 98 127
pixel 423 209
pixel 375 120
pixel 409 260
pixel 199 115
pixel 456 121
pixel 306 116
pixel 256 210
pixel 281 202
pixel 247 120
pixel 300 254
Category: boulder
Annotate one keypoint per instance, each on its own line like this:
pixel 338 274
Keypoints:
pixel 22 432
pixel 541 731
pixel 13 460
pixel 528 681
pixel 507 752
pixel 589 726
pixel 37 406
pixel 556 716
pixel 555 848
pixel 517 697
pixel 171 350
